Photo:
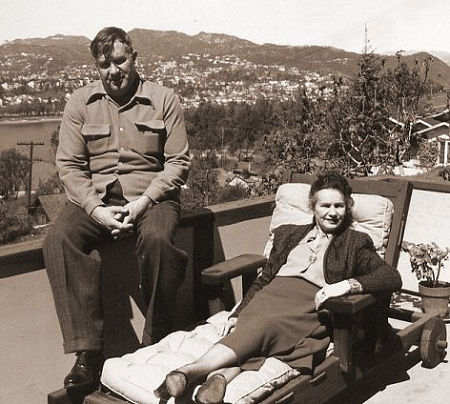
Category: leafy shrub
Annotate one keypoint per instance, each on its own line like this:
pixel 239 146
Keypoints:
pixel 230 193
pixel 51 186
pixel 445 173
pixel 14 225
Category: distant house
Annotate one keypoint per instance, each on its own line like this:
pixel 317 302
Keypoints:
pixel 250 183
pixel 442 136
pixel 434 128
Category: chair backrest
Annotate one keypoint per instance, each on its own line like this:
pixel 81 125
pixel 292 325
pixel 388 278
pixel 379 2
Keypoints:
pixel 380 210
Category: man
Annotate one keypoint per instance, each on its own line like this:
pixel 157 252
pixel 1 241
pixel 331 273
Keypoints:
pixel 122 157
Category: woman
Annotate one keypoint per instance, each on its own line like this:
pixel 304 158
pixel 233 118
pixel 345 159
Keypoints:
pixel 280 315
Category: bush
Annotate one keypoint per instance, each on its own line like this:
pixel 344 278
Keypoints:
pixel 445 173
pixel 14 225
pixel 51 186
pixel 228 194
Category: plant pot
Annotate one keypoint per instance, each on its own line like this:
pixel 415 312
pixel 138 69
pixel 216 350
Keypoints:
pixel 435 299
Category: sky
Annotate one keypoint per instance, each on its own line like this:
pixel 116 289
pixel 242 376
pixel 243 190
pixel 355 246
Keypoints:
pixel 391 24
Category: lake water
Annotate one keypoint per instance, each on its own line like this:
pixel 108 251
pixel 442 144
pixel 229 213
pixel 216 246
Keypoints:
pixel 12 132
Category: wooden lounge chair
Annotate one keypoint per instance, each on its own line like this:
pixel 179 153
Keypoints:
pixel 356 354
pixel 353 358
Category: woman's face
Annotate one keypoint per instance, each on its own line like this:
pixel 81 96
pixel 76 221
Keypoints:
pixel 329 209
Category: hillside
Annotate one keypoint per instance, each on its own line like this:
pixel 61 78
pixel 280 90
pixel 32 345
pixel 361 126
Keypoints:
pixel 153 44
pixel 66 49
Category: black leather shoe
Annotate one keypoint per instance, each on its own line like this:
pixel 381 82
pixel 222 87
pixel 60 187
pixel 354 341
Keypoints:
pixel 86 369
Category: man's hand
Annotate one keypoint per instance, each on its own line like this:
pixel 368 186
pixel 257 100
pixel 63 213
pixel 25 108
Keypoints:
pixel 112 218
pixel 135 209
pixel 334 290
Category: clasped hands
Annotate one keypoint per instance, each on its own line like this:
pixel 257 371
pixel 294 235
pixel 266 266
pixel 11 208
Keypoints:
pixel 341 288
pixel 120 219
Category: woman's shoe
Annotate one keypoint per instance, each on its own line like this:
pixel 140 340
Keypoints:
pixel 212 391
pixel 173 386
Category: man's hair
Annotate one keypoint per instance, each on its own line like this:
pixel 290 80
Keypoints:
pixel 333 180
pixel 103 42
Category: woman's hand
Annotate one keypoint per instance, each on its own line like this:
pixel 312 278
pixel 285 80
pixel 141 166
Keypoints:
pixel 334 290
pixel 228 326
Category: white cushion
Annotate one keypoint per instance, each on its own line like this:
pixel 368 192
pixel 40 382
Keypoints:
pixel 135 376
pixel 372 214
pixel 254 386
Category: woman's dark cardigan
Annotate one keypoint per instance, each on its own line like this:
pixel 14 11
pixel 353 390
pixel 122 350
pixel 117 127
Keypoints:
pixel 350 254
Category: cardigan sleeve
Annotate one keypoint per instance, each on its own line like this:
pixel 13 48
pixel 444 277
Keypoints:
pixel 372 272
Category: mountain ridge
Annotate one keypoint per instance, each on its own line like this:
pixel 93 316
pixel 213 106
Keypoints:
pixel 70 49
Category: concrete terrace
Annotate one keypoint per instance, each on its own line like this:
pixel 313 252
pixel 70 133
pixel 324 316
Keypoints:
pixel 32 362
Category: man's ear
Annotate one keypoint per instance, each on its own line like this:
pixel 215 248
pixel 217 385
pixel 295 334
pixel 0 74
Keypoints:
pixel 135 56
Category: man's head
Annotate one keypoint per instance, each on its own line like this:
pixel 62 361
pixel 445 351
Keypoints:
pixel 114 58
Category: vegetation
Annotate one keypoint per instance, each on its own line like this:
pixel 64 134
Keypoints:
pixel 14 223
pixel 344 126
pixel 426 261
pixel 14 169
pixel 445 173
pixel 349 130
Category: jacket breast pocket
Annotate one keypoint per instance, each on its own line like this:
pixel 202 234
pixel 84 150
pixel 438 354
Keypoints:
pixel 97 137
pixel 150 137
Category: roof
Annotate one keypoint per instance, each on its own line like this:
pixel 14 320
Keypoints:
pixel 52 204
pixel 443 116
pixel 441 129
pixel 429 121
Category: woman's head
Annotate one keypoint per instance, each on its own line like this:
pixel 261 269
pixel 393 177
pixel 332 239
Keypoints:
pixel 331 202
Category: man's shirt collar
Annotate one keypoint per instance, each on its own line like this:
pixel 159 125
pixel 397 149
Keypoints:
pixel 98 91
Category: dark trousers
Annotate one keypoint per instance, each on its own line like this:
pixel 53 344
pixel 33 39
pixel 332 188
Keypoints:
pixel 75 276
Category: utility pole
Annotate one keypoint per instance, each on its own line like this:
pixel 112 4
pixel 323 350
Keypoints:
pixel 31 144
pixel 222 156
pixel 366 41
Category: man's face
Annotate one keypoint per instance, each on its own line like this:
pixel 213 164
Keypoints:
pixel 118 71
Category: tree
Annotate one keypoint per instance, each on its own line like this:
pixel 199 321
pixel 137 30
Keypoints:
pixel 297 143
pixel 14 170
pixel 201 184
pixel 402 89
pixel 358 121
pixel 348 128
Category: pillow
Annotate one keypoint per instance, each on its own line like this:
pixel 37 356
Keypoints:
pixel 372 214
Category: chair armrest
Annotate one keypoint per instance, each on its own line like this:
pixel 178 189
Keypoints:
pixel 229 269
pixel 349 305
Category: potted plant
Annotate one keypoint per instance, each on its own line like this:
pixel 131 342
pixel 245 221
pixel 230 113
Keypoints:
pixel 427 262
